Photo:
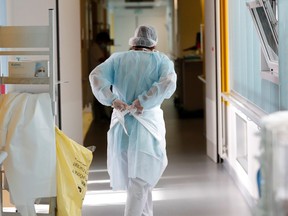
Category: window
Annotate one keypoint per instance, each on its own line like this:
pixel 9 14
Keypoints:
pixel 265 22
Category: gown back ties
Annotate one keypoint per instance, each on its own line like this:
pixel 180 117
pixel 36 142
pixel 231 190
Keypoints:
pixel 119 117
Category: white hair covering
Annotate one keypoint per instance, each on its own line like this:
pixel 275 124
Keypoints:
pixel 145 36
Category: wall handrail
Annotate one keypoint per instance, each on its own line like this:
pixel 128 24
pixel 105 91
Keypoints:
pixel 249 109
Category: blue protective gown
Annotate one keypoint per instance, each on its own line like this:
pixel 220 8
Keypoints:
pixel 136 143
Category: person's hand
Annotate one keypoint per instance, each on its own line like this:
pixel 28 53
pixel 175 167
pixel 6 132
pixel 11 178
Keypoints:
pixel 119 105
pixel 136 104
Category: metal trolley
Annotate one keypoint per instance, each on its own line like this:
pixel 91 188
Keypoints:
pixel 32 41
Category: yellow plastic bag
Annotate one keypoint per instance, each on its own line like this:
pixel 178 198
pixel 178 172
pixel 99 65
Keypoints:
pixel 73 162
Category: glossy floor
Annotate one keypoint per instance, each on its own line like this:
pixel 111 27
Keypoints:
pixel 192 184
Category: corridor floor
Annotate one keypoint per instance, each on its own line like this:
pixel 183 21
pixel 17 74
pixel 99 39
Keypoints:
pixel 192 184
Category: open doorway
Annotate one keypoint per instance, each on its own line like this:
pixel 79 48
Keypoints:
pixel 93 21
pixel 120 19
pixel 95 47
pixel 110 18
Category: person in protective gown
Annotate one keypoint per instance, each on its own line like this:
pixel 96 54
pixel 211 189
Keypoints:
pixel 141 79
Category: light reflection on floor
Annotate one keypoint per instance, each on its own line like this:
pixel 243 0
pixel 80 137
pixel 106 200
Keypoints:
pixel 43 209
pixel 105 181
pixel 108 197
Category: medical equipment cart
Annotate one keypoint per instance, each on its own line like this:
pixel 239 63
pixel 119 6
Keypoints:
pixel 32 41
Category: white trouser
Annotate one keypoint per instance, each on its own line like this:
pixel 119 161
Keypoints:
pixel 139 198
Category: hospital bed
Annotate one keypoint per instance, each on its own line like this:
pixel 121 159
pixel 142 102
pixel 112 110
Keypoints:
pixel 31 41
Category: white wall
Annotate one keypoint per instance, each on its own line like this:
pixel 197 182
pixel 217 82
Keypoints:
pixel 28 12
pixel 34 12
pixel 70 68
pixel 210 75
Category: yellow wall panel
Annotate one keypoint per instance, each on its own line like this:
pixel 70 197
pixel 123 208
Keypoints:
pixel 224 46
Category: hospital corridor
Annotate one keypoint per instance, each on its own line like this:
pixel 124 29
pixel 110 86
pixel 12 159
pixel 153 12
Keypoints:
pixel 192 184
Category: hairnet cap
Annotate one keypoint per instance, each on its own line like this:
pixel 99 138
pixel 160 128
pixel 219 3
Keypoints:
pixel 144 36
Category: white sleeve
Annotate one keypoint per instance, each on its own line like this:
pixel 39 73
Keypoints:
pixel 101 79
pixel 162 89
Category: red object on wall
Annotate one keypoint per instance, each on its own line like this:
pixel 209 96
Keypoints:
pixel 2 89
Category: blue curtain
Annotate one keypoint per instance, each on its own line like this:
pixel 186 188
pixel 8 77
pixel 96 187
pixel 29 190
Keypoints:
pixel 245 60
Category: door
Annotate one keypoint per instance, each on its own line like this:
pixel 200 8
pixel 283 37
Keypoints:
pixel 211 81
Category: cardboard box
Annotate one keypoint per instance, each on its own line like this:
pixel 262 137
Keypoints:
pixel 28 69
